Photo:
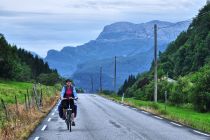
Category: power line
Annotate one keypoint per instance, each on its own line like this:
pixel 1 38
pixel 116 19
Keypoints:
pixel 190 20
pixel 178 23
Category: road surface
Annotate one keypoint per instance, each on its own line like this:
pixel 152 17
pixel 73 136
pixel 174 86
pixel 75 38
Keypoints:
pixel 102 119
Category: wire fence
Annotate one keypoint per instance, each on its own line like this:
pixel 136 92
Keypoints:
pixel 33 99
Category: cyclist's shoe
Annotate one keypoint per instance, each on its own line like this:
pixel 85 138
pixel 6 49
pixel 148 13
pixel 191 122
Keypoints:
pixel 73 124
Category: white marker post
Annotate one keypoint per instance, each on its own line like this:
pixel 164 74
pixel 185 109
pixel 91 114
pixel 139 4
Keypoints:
pixel 122 98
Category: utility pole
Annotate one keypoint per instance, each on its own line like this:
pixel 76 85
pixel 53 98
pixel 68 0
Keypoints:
pixel 115 73
pixel 100 79
pixel 155 63
pixel 91 82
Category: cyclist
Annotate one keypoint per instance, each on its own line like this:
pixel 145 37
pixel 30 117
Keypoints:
pixel 68 91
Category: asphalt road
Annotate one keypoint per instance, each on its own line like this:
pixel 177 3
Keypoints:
pixel 102 119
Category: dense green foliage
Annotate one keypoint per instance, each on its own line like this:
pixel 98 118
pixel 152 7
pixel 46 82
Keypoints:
pixel 191 49
pixel 128 83
pixel 187 60
pixel 18 64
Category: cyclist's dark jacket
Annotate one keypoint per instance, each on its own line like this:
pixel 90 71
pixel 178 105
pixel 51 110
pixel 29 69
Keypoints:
pixel 63 92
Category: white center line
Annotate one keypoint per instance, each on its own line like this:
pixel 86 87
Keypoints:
pixel 53 113
pixel 201 133
pixel 37 138
pixel 134 109
pixel 44 127
pixel 176 124
pixel 49 120
pixel 158 117
pixel 144 112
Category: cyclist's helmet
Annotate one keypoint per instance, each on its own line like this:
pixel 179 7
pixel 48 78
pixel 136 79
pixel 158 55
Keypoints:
pixel 68 80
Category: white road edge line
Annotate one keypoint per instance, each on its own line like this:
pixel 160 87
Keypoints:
pixel 176 124
pixel 37 138
pixel 49 120
pixel 201 133
pixel 44 127
pixel 158 117
pixel 145 112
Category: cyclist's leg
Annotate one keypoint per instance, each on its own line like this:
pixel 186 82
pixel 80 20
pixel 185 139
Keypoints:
pixel 60 110
pixel 64 113
pixel 64 105
pixel 73 109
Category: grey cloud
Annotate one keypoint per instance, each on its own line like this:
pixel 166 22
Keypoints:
pixel 118 4
pixel 80 21
pixel 7 13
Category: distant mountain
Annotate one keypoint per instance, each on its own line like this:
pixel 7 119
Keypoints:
pixel 35 54
pixel 131 43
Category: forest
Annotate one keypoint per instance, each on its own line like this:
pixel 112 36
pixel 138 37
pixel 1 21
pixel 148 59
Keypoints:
pixel 187 62
pixel 20 65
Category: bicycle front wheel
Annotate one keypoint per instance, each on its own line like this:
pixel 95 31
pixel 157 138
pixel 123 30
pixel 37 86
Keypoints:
pixel 69 119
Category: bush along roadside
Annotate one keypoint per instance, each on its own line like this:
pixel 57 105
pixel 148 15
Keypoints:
pixel 20 117
pixel 183 114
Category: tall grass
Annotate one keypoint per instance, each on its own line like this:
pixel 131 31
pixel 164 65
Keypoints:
pixel 20 125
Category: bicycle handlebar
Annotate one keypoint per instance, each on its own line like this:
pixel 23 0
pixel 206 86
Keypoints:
pixel 69 98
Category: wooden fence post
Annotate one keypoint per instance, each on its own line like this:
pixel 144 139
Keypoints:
pixel 16 102
pixel 28 99
pixel 5 109
pixel 36 98
pixel 26 102
pixel 40 102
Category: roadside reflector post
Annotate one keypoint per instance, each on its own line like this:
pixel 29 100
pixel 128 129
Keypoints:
pixel 123 97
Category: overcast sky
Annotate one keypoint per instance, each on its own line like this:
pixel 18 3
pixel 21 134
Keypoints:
pixel 41 25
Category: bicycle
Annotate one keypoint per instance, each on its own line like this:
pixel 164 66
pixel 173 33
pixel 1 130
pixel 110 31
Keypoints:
pixel 68 114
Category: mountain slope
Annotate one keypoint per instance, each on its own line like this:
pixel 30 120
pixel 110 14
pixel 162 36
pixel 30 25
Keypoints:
pixel 121 39
pixel 187 60
pixel 191 50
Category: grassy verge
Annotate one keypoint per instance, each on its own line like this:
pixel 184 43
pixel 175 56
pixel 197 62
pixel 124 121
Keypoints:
pixel 184 115
pixel 21 124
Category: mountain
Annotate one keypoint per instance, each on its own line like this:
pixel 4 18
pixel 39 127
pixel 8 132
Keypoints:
pixel 35 54
pixel 187 60
pixel 131 43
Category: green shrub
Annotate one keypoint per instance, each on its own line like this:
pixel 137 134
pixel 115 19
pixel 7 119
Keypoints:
pixel 107 92
pixel 201 94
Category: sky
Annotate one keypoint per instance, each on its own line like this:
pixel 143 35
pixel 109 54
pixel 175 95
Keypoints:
pixel 41 25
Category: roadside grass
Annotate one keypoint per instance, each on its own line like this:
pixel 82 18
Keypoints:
pixel 20 125
pixel 8 90
pixel 182 114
